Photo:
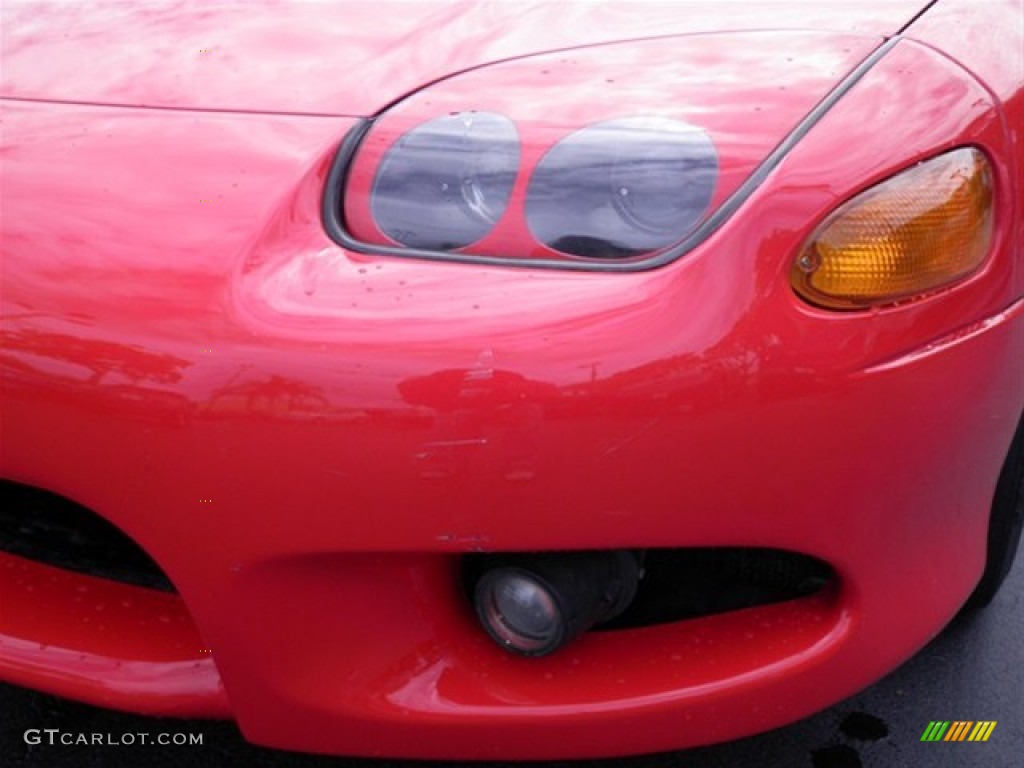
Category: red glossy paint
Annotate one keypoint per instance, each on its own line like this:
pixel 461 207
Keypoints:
pixel 134 648
pixel 350 58
pixel 306 439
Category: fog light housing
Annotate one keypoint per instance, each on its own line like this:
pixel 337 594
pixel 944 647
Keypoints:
pixel 915 233
pixel 535 604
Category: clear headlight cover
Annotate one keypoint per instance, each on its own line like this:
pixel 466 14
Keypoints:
pixel 615 156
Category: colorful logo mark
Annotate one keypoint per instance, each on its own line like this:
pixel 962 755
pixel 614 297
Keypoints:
pixel 958 730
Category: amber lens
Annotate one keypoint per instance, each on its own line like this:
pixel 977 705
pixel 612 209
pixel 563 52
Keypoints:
pixel 919 231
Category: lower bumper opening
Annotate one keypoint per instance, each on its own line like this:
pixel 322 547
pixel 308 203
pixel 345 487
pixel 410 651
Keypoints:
pixel 88 615
pixel 689 583
pixel 50 529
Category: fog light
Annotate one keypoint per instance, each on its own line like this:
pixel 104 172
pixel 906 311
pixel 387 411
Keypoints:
pixel 519 611
pixel 535 604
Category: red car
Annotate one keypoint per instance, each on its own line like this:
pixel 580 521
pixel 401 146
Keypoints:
pixel 504 380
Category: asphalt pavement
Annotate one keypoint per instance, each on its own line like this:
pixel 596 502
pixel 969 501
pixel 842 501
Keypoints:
pixel 974 671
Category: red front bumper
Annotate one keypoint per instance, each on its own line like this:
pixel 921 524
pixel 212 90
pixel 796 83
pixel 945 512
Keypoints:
pixel 339 629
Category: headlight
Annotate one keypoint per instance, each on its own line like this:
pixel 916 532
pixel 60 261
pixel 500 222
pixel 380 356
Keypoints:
pixel 917 232
pixel 614 189
pixel 445 184
pixel 622 188
pixel 617 156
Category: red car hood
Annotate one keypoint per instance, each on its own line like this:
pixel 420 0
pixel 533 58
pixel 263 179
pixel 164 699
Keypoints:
pixel 345 58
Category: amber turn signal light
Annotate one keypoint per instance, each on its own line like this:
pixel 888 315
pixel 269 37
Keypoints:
pixel 921 230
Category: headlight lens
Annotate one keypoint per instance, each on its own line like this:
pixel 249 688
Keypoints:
pixel 922 230
pixel 445 183
pixel 622 187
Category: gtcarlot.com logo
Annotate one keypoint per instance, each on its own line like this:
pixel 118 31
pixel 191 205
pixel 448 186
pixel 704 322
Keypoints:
pixel 55 736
